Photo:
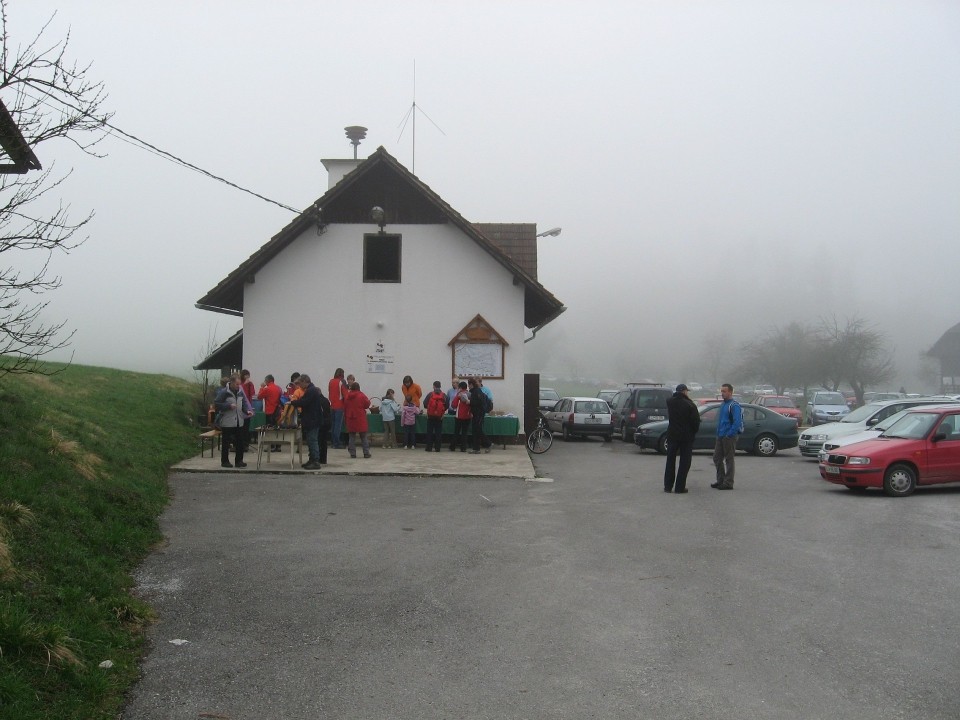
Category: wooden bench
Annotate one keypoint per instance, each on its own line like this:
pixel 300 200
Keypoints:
pixel 213 435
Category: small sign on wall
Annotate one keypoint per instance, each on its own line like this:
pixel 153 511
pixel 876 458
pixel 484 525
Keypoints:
pixel 380 363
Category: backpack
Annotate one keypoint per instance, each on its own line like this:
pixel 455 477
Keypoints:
pixel 436 405
pixel 487 403
pixel 730 410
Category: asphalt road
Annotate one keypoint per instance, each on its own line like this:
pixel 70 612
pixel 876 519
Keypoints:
pixel 593 596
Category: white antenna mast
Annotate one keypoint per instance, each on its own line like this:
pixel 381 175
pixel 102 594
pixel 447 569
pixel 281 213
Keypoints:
pixel 412 113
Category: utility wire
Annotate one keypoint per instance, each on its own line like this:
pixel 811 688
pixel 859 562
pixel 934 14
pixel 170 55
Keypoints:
pixel 144 145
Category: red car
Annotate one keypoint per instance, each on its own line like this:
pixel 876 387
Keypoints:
pixel 779 404
pixel 922 448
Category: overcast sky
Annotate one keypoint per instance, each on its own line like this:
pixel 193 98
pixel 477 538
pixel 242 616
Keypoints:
pixel 715 166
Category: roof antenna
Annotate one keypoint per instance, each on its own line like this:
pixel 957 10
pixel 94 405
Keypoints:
pixel 412 112
pixel 356 133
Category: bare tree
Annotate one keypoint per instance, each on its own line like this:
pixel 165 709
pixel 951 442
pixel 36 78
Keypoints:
pixel 784 357
pixel 48 99
pixel 856 353
pixel 716 350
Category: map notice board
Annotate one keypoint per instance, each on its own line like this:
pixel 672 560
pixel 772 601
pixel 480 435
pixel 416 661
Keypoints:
pixel 478 360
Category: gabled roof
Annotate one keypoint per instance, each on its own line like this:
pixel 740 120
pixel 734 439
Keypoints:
pixel 381 180
pixel 948 346
pixel 229 354
pixel 517 240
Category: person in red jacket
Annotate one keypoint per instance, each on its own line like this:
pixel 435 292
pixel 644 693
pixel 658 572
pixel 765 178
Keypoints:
pixel 270 393
pixel 355 405
pixel 336 389
pixel 461 401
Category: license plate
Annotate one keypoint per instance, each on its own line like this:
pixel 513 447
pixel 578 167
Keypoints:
pixel 803 443
pixel 592 420
pixel 832 470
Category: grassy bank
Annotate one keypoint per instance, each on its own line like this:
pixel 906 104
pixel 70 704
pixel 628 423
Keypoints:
pixel 83 465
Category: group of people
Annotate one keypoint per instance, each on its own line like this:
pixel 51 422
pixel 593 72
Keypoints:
pixel 682 427
pixel 322 418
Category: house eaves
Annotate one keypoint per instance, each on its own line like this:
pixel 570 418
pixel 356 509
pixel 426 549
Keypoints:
pixel 16 147
pixel 540 306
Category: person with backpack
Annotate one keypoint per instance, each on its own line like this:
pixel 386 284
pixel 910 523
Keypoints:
pixel 478 411
pixel 729 426
pixel 436 405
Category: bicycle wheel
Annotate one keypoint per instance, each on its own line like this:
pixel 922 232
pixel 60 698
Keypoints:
pixel 539 441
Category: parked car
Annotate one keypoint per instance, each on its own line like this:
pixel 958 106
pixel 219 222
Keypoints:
pixel 638 404
pixel 922 448
pixel 868 433
pixel 764 431
pixel 580 416
pixel 780 404
pixel 812 439
pixel 548 398
pixel 606 395
pixel 764 389
pixel 825 406
pixel 874 396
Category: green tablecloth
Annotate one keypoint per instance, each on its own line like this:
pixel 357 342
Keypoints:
pixel 493 425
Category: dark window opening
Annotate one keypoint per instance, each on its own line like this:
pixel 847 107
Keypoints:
pixel 381 258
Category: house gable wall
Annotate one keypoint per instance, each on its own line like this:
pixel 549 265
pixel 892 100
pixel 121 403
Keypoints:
pixel 309 310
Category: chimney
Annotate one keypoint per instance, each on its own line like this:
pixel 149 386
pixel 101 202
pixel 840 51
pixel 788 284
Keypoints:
pixel 336 169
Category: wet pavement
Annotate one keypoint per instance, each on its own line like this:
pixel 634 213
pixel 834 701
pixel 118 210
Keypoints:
pixel 501 461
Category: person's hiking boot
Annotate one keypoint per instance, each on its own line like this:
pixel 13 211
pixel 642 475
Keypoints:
pixel 725 486
pixel 226 465
pixel 240 463
pixel 312 466
pixel 715 486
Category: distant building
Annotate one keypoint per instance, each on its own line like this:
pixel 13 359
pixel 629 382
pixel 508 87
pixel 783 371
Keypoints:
pixel 947 351
pixel 383 278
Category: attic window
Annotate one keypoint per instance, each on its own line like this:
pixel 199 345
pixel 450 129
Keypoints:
pixel 381 258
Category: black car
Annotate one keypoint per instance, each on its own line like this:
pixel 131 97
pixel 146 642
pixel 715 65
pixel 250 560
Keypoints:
pixel 764 431
pixel 638 404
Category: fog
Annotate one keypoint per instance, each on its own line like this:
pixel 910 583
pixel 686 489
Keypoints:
pixel 716 167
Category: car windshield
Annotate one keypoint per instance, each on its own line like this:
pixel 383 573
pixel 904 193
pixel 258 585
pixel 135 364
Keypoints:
pixel 912 426
pixel 590 406
pixel 779 402
pixel 890 421
pixel 549 394
pixel 861 413
pixel 829 398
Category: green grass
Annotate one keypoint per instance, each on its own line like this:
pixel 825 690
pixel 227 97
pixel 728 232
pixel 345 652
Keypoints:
pixel 84 456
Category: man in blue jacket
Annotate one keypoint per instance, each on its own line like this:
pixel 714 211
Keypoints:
pixel 729 425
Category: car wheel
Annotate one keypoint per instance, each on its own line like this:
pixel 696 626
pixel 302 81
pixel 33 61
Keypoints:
pixel 566 434
pixel 625 433
pixel 900 480
pixel 662 444
pixel 765 445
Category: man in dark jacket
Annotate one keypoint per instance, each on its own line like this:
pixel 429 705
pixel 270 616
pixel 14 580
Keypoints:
pixel 684 421
pixel 478 408
pixel 314 416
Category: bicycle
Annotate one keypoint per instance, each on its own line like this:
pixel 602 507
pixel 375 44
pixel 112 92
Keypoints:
pixel 540 440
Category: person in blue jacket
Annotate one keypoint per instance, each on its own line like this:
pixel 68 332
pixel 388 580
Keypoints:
pixel 729 425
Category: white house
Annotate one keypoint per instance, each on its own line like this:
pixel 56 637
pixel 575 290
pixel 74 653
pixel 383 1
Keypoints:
pixel 383 278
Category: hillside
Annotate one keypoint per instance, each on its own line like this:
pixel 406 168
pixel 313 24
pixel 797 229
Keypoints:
pixel 83 468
